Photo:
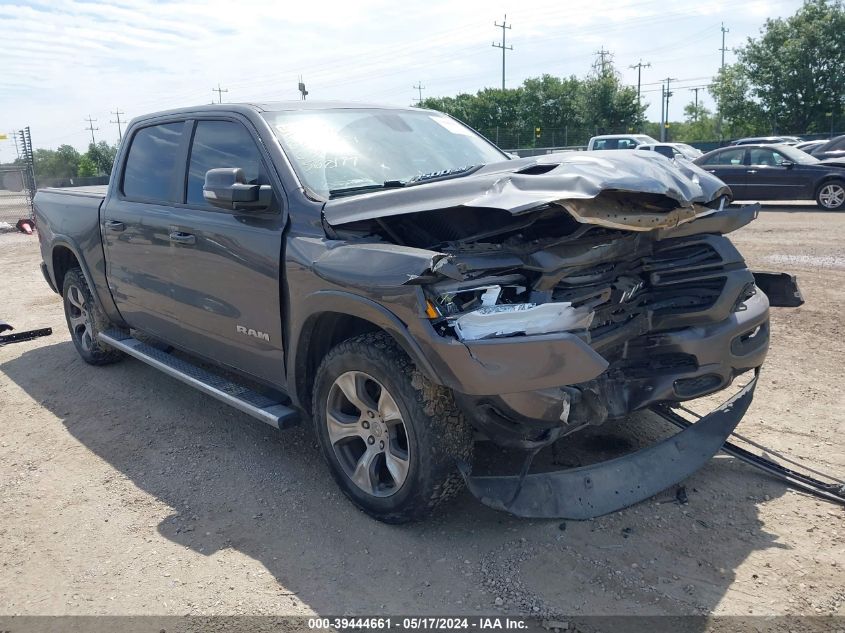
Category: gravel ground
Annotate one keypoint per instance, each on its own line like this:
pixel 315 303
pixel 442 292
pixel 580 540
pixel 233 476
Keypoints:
pixel 124 492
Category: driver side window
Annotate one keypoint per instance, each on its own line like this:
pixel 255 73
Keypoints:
pixel 222 144
pixel 763 157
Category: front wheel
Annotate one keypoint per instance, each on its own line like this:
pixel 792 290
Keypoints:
pixel 390 436
pixel 831 196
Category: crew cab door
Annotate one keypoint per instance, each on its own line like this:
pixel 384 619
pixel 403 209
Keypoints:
pixel 135 226
pixel 225 265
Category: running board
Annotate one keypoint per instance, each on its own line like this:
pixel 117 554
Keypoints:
pixel 242 398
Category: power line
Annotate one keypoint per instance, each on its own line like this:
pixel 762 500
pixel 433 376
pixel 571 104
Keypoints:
pixel 117 114
pixel 504 25
pixel 91 128
pixel 420 88
pixel 219 92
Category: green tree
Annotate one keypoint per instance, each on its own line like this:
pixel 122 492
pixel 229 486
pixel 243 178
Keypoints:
pixel 606 105
pixel 791 77
pixel 87 167
pixel 568 107
pixel 59 163
pixel 699 124
pixel 102 156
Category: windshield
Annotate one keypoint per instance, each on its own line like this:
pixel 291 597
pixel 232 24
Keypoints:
pixel 355 150
pixel 688 150
pixel 796 155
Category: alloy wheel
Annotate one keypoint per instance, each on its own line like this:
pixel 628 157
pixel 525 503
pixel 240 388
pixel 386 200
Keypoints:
pixel 367 433
pixel 832 196
pixel 80 318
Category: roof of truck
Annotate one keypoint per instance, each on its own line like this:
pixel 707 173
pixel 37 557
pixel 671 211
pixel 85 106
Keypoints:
pixel 274 106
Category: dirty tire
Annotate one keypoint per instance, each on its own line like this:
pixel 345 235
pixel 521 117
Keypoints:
pixel 831 195
pixel 85 320
pixel 436 432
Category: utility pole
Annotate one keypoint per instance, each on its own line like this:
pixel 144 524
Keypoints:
pixel 117 114
pixel 695 112
pixel 301 87
pixel 724 49
pixel 219 92
pixel 662 112
pixel 602 54
pixel 639 66
pixel 668 94
pixel 504 25
pixel 91 128
pixel 419 87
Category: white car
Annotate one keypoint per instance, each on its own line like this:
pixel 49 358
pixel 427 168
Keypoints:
pixel 673 150
pixel 619 141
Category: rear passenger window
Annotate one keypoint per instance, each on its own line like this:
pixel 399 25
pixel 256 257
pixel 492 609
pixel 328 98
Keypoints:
pixel 728 157
pixel 152 161
pixel 222 144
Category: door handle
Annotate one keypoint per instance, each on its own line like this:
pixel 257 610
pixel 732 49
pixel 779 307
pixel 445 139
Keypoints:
pixel 751 171
pixel 114 225
pixel 179 237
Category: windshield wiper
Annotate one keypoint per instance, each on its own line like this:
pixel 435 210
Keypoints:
pixel 348 191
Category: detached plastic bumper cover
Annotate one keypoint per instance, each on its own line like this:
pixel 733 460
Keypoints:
pixel 592 491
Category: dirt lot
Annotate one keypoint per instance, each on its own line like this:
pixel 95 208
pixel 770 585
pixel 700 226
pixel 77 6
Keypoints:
pixel 124 492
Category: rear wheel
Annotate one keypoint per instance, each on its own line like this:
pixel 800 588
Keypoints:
pixel 85 320
pixel 831 195
pixel 389 435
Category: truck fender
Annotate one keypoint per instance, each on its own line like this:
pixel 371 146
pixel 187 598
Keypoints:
pixel 67 242
pixel 348 304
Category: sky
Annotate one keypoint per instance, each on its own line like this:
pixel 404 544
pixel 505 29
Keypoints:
pixel 64 60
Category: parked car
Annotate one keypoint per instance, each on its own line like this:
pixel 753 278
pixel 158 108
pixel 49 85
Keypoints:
pixel 766 140
pixel 394 278
pixel 809 146
pixel 834 148
pixel 777 172
pixel 672 150
pixel 619 141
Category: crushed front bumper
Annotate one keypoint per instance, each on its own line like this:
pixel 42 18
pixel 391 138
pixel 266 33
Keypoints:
pixel 598 489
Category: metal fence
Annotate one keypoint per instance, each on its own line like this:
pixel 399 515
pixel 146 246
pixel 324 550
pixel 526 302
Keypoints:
pixel 17 184
pixel 15 196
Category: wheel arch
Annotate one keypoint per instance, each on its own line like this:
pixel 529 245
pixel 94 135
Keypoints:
pixel 335 317
pixel 826 180
pixel 64 258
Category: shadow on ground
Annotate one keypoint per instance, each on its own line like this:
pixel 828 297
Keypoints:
pixel 234 483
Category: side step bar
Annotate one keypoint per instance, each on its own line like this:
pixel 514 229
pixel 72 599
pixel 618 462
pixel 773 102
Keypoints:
pixel 244 399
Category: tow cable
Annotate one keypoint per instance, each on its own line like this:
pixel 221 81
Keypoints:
pixel 18 337
pixel 833 491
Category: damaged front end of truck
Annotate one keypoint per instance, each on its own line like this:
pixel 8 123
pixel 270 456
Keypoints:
pixel 557 293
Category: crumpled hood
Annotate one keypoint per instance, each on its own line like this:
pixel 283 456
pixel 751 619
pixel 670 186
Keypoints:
pixel 674 189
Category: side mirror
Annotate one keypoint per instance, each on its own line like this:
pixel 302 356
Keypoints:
pixel 788 164
pixel 226 188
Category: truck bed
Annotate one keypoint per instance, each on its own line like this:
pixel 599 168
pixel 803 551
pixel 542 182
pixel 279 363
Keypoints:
pixel 91 191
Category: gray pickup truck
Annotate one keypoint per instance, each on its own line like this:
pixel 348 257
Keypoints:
pixel 393 276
